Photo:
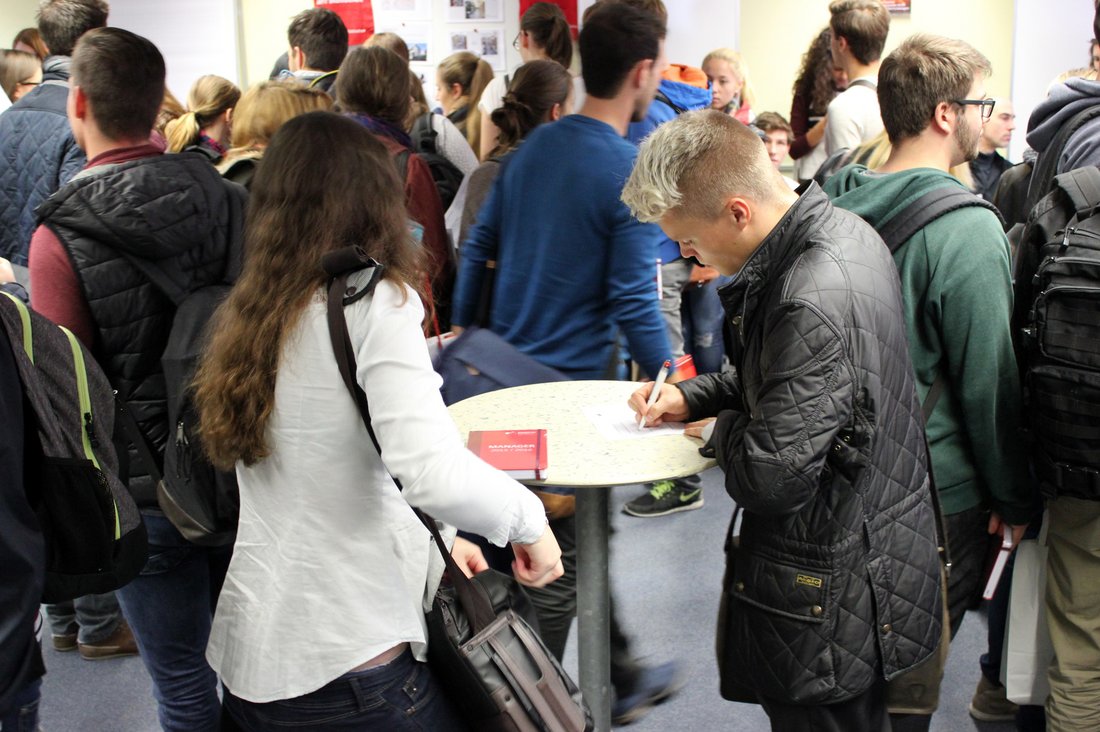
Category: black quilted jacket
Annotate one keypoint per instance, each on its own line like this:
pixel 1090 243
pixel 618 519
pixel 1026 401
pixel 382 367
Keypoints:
pixel 837 579
pixel 175 213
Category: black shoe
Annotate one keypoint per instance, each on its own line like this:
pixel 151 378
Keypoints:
pixel 665 497
pixel 654 685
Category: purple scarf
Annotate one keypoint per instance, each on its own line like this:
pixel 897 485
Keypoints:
pixel 382 127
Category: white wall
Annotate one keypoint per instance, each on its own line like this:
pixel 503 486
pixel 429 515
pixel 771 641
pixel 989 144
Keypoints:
pixel 1051 36
pixel 197 37
pixel 15 15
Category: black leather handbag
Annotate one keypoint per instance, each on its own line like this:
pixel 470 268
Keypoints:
pixel 482 642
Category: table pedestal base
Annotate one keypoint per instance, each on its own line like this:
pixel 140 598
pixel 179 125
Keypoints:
pixel 593 602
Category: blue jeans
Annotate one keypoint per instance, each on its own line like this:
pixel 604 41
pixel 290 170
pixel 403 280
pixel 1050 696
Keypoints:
pixel 170 606
pixel 92 617
pixel 703 318
pixel 23 716
pixel 402 695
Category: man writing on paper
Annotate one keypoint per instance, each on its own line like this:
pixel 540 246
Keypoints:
pixel 836 583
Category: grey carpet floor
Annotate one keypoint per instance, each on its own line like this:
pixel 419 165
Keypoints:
pixel 665 574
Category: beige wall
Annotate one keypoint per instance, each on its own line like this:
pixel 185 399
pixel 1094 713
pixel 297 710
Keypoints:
pixel 15 15
pixel 264 24
pixel 775 34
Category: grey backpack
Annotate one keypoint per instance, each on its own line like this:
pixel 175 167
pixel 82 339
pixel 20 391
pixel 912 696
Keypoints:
pixel 95 540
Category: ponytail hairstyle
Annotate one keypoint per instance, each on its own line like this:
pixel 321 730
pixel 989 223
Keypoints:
pixel 325 183
pixel 472 74
pixel 210 97
pixel 739 69
pixel 536 88
pixel 547 27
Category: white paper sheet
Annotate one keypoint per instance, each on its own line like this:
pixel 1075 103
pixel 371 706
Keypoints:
pixel 619 422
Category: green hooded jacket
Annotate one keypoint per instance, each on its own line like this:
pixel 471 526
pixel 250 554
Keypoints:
pixel 957 289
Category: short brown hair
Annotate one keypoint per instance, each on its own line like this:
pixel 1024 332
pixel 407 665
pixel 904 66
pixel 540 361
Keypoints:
pixel 921 73
pixel 374 81
pixel 771 121
pixel 321 35
pixel 122 75
pixel 864 24
pixel 63 22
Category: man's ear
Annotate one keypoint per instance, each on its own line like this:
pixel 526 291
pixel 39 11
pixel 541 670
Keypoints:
pixel 944 118
pixel 641 72
pixel 299 57
pixel 80 103
pixel 739 211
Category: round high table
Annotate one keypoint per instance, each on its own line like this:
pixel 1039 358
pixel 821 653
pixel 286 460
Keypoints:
pixel 579 456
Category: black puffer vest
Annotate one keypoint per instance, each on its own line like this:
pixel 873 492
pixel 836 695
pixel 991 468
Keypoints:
pixel 837 579
pixel 177 214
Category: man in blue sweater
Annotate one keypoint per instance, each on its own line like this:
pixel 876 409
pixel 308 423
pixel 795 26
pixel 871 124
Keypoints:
pixel 573 266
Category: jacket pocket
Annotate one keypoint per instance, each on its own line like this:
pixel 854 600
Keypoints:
pixel 780 620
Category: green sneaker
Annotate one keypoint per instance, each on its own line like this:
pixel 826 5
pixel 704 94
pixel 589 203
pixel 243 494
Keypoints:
pixel 665 497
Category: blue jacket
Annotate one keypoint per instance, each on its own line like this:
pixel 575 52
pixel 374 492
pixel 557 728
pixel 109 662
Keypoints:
pixel 682 95
pixel 37 156
pixel 573 266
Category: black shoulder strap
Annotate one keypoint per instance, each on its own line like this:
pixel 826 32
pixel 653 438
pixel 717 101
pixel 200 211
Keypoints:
pixel 663 98
pixel 1082 187
pixel 1046 167
pixel 926 209
pixel 338 266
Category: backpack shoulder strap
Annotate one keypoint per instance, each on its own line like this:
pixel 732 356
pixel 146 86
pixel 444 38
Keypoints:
pixel 864 82
pixel 926 209
pixel 1046 167
pixel 1082 187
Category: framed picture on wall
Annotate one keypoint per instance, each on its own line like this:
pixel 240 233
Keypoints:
pixel 475 11
pixel 401 10
pixel 417 36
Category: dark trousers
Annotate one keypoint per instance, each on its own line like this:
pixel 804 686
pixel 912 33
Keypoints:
pixel 402 695
pixel 863 713
pixel 556 605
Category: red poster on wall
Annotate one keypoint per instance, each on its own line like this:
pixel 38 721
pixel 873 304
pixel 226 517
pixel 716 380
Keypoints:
pixel 569 7
pixel 356 14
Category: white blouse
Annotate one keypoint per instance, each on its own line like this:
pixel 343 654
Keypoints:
pixel 331 566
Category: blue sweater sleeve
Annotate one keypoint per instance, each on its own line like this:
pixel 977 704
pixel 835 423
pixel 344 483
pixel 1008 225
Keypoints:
pixel 479 248
pixel 632 289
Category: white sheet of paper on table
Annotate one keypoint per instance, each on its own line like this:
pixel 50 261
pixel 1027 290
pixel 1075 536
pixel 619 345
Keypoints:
pixel 619 422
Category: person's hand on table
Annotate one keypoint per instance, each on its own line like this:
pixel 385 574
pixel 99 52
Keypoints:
pixel 538 564
pixel 468 557
pixel 669 407
pixel 695 429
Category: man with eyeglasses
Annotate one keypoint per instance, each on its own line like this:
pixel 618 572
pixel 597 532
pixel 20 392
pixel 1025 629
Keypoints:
pixel 956 284
pixel 989 164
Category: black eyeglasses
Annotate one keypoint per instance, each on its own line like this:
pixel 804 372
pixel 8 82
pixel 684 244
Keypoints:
pixel 985 104
pixel 515 43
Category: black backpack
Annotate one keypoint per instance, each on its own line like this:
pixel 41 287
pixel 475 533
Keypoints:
pixel 1057 321
pixel 446 174
pixel 94 537
pixel 202 502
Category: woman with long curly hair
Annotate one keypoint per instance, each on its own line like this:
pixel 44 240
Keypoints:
pixel 817 83
pixel 322 606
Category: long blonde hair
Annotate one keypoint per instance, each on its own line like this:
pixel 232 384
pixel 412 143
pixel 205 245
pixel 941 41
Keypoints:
pixel 265 107
pixel 210 97
pixel 472 74
pixel 739 68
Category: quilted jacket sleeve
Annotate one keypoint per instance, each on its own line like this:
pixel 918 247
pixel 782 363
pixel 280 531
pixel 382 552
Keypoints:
pixel 773 457
pixel 709 394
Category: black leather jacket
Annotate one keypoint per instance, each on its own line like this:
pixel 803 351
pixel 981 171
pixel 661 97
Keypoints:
pixel 837 580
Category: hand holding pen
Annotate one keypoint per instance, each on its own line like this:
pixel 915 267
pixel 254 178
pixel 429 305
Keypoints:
pixel 658 401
